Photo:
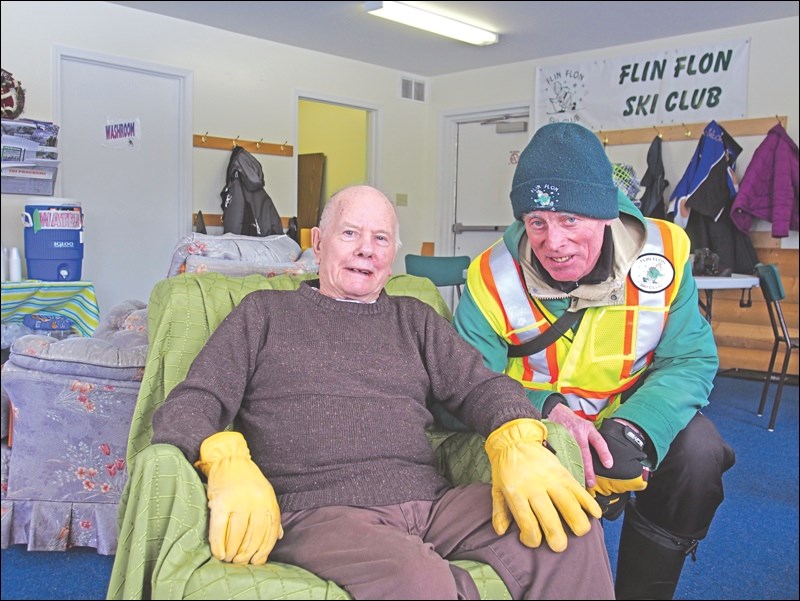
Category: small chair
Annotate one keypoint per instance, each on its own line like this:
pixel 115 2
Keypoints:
pixel 772 289
pixel 442 271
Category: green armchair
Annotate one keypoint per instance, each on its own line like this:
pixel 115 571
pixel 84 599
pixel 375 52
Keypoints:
pixel 163 550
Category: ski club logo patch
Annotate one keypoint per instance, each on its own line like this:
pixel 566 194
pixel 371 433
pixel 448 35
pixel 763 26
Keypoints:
pixel 652 273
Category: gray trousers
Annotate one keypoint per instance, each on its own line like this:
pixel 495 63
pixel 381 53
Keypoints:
pixel 402 551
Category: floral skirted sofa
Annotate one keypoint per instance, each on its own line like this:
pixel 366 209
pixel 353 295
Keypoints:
pixel 237 255
pixel 66 414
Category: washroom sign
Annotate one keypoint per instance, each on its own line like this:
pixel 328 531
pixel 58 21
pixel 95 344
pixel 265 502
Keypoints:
pixel 663 88
pixel 122 133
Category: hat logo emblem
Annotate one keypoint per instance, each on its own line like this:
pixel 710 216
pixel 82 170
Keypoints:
pixel 545 196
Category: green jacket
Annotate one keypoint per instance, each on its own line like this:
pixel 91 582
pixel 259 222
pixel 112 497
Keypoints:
pixel 680 379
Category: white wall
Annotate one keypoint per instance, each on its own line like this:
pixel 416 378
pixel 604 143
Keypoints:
pixel 247 87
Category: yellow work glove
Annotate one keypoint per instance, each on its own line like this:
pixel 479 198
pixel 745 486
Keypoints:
pixel 529 483
pixel 245 520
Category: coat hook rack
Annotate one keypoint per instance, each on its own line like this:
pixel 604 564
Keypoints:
pixel 259 147
pixel 686 131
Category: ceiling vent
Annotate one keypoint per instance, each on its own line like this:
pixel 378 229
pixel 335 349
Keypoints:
pixel 412 89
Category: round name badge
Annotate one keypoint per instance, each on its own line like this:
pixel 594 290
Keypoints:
pixel 652 273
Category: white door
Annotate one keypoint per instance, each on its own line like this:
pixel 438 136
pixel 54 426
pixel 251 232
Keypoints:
pixel 135 192
pixel 485 163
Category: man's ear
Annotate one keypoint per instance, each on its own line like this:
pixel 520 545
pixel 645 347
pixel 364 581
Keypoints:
pixel 316 240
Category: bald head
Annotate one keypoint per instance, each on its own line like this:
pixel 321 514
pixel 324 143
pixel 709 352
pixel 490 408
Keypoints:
pixel 356 243
pixel 367 193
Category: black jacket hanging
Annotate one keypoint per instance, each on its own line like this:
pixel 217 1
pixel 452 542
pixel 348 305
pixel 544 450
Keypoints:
pixel 654 183
pixel 247 209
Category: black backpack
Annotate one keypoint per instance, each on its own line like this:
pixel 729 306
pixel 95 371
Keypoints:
pixel 247 209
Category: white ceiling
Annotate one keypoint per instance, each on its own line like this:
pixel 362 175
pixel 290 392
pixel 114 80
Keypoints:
pixel 528 30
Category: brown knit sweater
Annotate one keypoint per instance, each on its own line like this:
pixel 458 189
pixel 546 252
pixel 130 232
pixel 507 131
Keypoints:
pixel 331 395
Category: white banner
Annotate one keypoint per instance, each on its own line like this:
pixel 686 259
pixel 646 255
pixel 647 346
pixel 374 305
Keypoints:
pixel 663 88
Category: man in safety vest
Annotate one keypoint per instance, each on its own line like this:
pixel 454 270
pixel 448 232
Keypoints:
pixel 629 365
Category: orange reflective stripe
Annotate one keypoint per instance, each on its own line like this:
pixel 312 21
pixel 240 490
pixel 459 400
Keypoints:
pixel 523 318
pixel 488 278
pixel 583 404
pixel 528 372
pixel 587 394
pixel 586 416
pixel 594 394
pixel 631 299
pixel 552 362
pixel 669 251
pixel 550 353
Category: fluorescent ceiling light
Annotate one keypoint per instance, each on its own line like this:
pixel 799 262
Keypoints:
pixel 422 19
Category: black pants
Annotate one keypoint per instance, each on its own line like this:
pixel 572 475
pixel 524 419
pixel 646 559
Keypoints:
pixel 684 492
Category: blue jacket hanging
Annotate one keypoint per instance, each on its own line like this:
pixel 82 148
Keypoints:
pixel 702 200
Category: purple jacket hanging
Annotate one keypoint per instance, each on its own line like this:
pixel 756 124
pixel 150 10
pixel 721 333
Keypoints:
pixel 769 188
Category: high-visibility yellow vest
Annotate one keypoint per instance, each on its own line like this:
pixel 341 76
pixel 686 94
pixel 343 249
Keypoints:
pixel 613 345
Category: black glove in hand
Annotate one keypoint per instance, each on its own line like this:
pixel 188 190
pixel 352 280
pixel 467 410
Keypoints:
pixel 613 505
pixel 614 484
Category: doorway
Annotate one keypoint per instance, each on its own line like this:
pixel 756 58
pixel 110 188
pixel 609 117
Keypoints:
pixel 135 193
pixel 481 151
pixel 335 141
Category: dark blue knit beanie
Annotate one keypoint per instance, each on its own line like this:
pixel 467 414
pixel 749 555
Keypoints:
pixel 564 168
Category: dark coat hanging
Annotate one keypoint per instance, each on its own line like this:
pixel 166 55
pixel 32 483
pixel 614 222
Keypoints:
pixel 654 183
pixel 247 209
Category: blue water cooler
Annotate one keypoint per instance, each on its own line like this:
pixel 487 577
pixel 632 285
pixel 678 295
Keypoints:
pixel 53 241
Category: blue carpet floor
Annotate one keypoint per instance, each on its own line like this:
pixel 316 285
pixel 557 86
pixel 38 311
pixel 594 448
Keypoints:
pixel 751 551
